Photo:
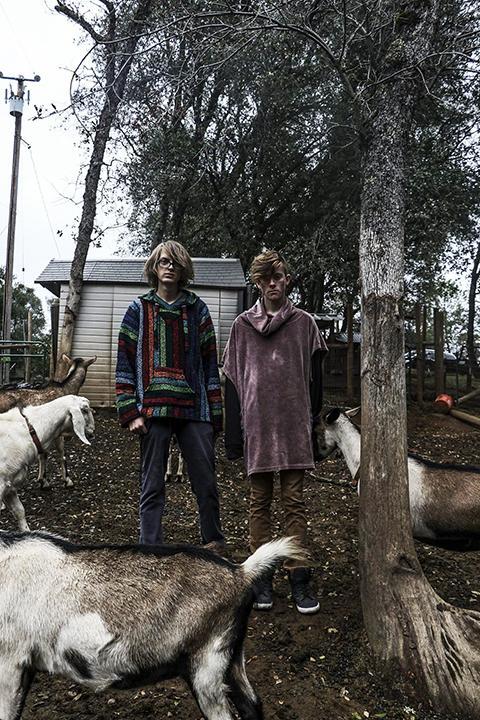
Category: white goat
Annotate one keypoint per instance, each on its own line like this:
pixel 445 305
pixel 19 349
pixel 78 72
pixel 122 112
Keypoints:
pixel 444 497
pixel 70 385
pixel 126 616
pixel 22 436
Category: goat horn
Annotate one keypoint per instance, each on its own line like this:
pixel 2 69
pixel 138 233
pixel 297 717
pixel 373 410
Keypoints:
pixel 354 411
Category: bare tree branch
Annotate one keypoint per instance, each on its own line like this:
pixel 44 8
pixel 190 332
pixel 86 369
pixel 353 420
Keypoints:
pixel 64 9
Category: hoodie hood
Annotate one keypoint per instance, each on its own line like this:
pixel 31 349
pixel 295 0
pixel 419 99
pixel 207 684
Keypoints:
pixel 265 324
pixel 186 297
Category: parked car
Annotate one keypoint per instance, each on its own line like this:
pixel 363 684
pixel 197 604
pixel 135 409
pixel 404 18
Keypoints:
pixel 451 362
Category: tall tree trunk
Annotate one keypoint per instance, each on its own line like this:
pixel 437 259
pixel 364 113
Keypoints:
pixel 472 296
pixel 120 54
pixel 410 628
pixel 84 236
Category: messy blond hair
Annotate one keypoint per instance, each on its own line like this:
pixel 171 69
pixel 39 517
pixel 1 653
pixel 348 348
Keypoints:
pixel 265 264
pixel 176 252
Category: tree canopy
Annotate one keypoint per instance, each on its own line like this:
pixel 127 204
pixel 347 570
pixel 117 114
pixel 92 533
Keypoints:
pixel 260 150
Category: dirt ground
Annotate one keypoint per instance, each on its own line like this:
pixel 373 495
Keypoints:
pixel 303 667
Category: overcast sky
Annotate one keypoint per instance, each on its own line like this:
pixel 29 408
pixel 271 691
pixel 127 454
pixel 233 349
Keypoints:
pixel 36 40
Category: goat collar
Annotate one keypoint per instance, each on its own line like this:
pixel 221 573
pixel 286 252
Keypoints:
pixel 33 434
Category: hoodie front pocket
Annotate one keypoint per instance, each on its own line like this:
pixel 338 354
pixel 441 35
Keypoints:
pixel 169 386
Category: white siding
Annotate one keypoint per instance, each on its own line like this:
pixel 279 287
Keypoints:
pixel 101 313
pixel 93 332
pixel 230 305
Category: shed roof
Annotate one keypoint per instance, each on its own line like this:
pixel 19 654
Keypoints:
pixel 209 272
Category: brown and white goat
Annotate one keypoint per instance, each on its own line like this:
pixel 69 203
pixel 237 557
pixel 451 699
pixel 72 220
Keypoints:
pixel 117 617
pixel 77 372
pixel 444 497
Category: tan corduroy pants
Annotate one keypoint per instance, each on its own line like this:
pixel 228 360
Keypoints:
pixel 291 494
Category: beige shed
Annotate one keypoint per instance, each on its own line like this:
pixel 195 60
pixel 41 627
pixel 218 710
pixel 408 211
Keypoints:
pixel 110 285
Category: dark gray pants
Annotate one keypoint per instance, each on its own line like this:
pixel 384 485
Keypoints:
pixel 195 440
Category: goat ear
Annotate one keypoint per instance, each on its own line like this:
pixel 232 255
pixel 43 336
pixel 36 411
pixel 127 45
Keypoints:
pixel 66 359
pixel 332 416
pixel 78 423
pixel 90 360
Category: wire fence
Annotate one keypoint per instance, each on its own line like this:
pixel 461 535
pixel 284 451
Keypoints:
pixel 22 362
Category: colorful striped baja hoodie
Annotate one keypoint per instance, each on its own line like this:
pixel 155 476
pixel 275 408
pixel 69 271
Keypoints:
pixel 167 361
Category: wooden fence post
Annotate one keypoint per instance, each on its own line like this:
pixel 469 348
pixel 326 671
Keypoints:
pixel 28 350
pixel 420 364
pixel 350 350
pixel 54 317
pixel 438 339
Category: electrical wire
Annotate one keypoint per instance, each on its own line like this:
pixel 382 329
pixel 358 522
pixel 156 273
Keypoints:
pixel 16 35
pixel 43 200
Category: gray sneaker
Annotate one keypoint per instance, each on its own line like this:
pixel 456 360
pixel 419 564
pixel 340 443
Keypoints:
pixel 302 594
pixel 263 592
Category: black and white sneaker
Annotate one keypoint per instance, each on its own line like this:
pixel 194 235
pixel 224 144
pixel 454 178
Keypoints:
pixel 263 591
pixel 302 594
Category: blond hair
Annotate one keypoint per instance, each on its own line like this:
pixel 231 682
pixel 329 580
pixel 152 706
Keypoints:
pixel 265 264
pixel 176 252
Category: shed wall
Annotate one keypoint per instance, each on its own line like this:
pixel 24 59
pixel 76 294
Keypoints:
pixel 102 311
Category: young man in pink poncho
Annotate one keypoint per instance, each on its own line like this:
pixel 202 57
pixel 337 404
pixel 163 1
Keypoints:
pixel 273 396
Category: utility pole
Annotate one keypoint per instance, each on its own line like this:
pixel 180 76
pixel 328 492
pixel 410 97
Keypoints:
pixel 16 109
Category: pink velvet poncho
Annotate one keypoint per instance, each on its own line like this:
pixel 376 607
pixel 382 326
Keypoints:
pixel 268 359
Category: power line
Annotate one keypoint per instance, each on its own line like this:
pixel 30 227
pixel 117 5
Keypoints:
pixel 29 147
pixel 16 35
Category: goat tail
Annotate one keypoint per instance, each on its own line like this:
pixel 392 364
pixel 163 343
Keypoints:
pixel 265 557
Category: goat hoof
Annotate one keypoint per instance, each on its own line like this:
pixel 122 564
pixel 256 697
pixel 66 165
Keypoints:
pixel 179 478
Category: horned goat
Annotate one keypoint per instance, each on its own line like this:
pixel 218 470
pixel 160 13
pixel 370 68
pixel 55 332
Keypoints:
pixel 77 372
pixel 444 497
pixel 126 616
pixel 24 433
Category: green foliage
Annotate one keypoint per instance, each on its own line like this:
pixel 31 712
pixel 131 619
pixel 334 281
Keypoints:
pixel 23 299
pixel 240 140
pixel 261 155
pixel 262 151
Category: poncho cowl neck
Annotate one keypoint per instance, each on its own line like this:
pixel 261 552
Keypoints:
pixel 267 324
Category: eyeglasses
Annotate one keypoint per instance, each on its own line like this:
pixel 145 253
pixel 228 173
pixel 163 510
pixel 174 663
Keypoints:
pixel 166 262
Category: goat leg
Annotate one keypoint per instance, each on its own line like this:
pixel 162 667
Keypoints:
pixel 207 679
pixel 60 445
pixel 14 504
pixel 42 471
pixel 15 682
pixel 169 472
pixel 180 468
pixel 242 694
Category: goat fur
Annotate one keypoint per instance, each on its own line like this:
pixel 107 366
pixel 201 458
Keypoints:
pixel 444 497
pixel 70 385
pixel 125 616
pixel 18 452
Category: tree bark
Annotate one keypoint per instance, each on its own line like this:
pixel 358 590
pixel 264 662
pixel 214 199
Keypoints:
pixel 410 628
pixel 119 60
pixel 472 297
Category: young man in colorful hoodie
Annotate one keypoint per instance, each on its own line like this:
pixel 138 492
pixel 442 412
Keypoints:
pixel 167 382
pixel 273 396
